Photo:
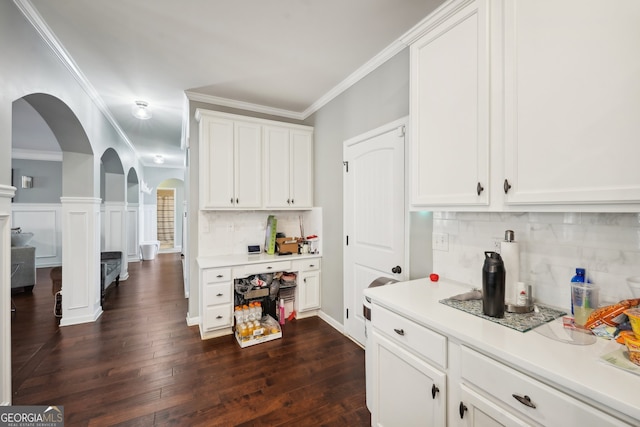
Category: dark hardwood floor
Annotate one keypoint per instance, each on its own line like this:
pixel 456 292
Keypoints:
pixel 141 365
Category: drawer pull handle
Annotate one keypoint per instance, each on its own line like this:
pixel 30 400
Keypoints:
pixel 311 265
pixel 526 400
pixel 219 294
pixel 218 317
pixel 462 409
pixel 399 331
pixel 434 390
pixel 220 276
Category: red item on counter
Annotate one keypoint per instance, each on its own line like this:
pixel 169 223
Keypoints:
pixel 434 277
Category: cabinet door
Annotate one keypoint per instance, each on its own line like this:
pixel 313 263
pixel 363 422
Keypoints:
pixel 450 111
pixel 216 163
pixel 572 97
pixel 277 167
pixel 478 411
pixel 302 169
pixel 248 165
pixel 309 291
pixel 408 391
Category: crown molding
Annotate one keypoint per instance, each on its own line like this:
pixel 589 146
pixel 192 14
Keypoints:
pixel 23 154
pixel 382 57
pixel 34 18
pixel 386 54
pixel 248 106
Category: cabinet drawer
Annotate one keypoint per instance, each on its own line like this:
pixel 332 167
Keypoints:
pixel 520 393
pixel 307 265
pixel 219 293
pixel 267 267
pixel 211 275
pixel 417 338
pixel 216 317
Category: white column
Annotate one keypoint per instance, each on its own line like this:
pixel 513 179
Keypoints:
pixel 6 193
pixel 115 232
pixel 80 260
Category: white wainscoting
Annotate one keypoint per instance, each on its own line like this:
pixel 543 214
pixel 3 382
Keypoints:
pixel 133 232
pixel 44 221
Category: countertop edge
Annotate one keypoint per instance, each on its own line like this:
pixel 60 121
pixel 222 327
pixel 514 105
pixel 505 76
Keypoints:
pixel 234 260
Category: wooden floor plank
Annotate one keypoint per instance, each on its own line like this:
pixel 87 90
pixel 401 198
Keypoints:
pixel 139 364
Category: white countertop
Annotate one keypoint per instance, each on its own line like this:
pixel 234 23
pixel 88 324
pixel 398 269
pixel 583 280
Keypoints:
pixel 246 259
pixel 574 369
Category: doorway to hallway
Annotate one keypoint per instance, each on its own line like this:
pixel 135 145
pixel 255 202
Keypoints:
pixel 166 214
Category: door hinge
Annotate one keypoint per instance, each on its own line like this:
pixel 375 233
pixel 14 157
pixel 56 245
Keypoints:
pixel 347 240
pixel 346 165
pixel 347 313
pixel 401 131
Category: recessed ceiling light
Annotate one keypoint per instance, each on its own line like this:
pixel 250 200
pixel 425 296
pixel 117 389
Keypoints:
pixel 158 159
pixel 140 110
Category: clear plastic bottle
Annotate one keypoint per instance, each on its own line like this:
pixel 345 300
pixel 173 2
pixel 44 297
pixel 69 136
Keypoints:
pixel 258 307
pixel 578 278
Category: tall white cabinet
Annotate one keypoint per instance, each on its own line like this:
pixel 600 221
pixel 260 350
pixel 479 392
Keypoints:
pixel 450 109
pixel 249 163
pixel 526 104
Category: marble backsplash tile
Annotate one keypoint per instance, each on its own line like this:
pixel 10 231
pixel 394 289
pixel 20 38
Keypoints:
pixel 552 245
pixel 230 232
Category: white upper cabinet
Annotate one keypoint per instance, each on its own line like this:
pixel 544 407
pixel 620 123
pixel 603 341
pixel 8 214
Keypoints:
pixel 535 100
pixel 450 109
pixel 230 163
pixel 288 167
pixel 572 101
pixel 248 163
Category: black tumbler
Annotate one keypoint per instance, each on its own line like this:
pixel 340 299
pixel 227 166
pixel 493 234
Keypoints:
pixel 493 275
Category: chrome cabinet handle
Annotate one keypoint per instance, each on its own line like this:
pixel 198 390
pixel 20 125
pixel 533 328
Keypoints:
pixel 399 331
pixel 525 400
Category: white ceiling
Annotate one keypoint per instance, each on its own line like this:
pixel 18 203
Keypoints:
pixel 285 57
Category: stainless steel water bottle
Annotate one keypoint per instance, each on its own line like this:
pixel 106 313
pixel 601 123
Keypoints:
pixel 493 285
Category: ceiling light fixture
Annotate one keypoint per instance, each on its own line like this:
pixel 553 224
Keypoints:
pixel 140 110
pixel 158 159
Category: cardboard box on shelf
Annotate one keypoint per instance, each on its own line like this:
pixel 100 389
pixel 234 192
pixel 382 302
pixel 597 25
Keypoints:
pixel 287 244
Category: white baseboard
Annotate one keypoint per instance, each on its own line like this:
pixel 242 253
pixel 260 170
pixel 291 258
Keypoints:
pixel 193 321
pixel 331 321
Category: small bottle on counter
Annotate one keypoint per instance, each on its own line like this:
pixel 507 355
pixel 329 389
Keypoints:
pixel 281 312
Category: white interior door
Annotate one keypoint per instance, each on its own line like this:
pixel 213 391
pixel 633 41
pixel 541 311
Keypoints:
pixel 374 216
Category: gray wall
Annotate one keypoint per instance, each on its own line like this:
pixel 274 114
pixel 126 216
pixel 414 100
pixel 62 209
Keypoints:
pixel 47 181
pixel 379 98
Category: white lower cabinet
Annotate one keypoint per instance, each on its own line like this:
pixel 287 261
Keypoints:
pixel 408 391
pixel 420 377
pixel 493 394
pixel 217 291
pixel 216 301
pixel 308 288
